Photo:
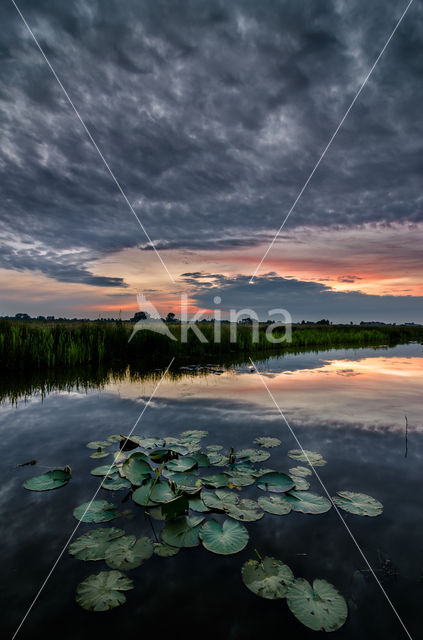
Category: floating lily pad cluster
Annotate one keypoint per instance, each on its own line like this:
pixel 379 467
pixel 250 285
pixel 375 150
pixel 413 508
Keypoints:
pixel 196 494
pixel 319 606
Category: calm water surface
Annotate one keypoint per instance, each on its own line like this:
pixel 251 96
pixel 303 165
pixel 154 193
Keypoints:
pixel 348 405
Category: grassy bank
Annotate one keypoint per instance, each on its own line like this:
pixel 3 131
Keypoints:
pixel 25 346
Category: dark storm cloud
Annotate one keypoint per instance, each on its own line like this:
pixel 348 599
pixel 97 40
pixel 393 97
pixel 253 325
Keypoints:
pixel 302 299
pixel 211 114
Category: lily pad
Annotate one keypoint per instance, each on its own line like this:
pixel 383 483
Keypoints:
pixel 300 471
pixel 177 507
pixel 127 552
pixel 358 503
pixel 136 470
pixel 220 500
pixel 241 480
pixel 268 443
pixel 197 434
pixel 181 464
pixel 269 578
pixel 114 482
pixel 201 459
pixel 217 459
pixel 216 480
pixel 127 443
pixel 48 481
pixel 100 454
pixel 103 591
pixel 96 511
pixel 224 539
pixel 245 510
pixel 254 455
pixel 214 447
pixel 93 545
pixel 152 494
pixel 319 607
pixel 182 532
pixel 308 502
pixel 186 482
pixel 277 504
pixel 197 504
pixel 98 444
pixel 315 459
pixel 275 482
pixel 301 484
pixel 164 550
pixel 104 470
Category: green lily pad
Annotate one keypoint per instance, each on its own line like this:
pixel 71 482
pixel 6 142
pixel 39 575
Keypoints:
pixel 48 481
pixel 103 591
pixel 136 470
pixel 98 444
pixel 197 504
pixel 100 454
pixel 220 500
pixel 240 480
pixel 177 507
pixel 301 484
pixel 268 443
pixel 277 504
pixel 181 449
pixel 93 545
pixel 214 447
pixel 308 502
pixel 268 579
pixel 303 472
pixel 197 434
pixel 164 550
pixel 216 480
pixel 315 459
pixel 224 539
pixel 104 470
pixel 162 455
pixel 127 552
pixel 245 510
pixel 217 459
pixel 114 482
pixel 201 459
pixel 358 503
pixel 127 443
pixel 152 494
pixel 181 465
pixel 182 532
pixel 96 511
pixel 254 455
pixel 319 607
pixel 119 457
pixel 115 437
pixel 275 482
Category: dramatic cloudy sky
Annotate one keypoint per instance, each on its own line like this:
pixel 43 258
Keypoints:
pixel 212 114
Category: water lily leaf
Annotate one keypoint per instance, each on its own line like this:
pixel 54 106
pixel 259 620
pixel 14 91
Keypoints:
pixel 197 504
pixel 276 504
pixel 275 482
pixel 246 511
pixel 103 591
pixel 358 503
pixel 214 447
pixel 181 464
pixel 319 607
pixel 241 479
pixel 301 484
pixel 268 443
pixel 220 500
pixel 119 457
pixel 182 532
pixel 93 545
pixel 268 579
pixel 96 511
pixel 217 459
pixel 114 482
pixel 197 434
pixel 179 448
pixel 98 444
pixel 149 443
pixel 100 454
pixel 127 443
pixel 222 462
pixel 201 459
pixel 224 539
pixel 153 493
pixel 115 437
pixel 104 470
pixel 253 455
pixel 261 472
pixel 127 552
pixel 164 550
pixel 300 471
pixel 216 480
pixel 136 470
pixel 48 481
pixel 308 502
pixel 162 455
pixel 176 507
pixel 315 459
